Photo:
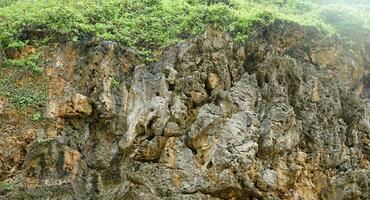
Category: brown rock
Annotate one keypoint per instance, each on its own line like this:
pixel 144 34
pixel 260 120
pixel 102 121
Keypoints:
pixel 213 80
pixel 324 57
pixel 77 105
pixel 71 158
pixel 81 104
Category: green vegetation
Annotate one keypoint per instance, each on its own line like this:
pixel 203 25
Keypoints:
pixel 37 116
pixel 29 92
pixel 4 3
pixel 114 83
pixel 6 186
pixel 152 24
pixel 32 62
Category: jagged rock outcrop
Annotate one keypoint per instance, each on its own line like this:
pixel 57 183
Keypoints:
pixel 285 116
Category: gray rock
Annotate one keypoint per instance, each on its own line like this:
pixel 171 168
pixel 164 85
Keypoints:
pixel 270 178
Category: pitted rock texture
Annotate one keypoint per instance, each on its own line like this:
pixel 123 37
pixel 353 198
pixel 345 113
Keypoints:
pixel 284 116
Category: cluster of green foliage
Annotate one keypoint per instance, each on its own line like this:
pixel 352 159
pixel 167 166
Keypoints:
pixel 30 93
pixel 6 186
pixel 151 24
pixel 4 3
pixel 114 83
pixel 31 62
pixel 144 25
pixel 37 116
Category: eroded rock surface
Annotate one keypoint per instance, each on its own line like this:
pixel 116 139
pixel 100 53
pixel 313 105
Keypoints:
pixel 285 116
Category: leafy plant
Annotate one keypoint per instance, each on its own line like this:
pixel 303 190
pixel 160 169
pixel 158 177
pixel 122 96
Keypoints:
pixel 29 93
pixel 31 63
pixel 16 44
pixel 36 116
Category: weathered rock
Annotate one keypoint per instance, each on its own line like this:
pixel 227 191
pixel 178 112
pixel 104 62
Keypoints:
pixel 77 105
pixel 285 116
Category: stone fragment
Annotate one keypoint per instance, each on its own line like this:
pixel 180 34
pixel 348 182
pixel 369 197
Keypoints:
pixel 81 104
pixel 270 178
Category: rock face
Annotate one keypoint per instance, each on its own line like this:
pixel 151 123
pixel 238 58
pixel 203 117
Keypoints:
pixel 285 116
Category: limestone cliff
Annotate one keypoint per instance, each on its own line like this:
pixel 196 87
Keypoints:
pixel 284 116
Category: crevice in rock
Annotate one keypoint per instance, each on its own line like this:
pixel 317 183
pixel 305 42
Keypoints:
pixel 95 191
